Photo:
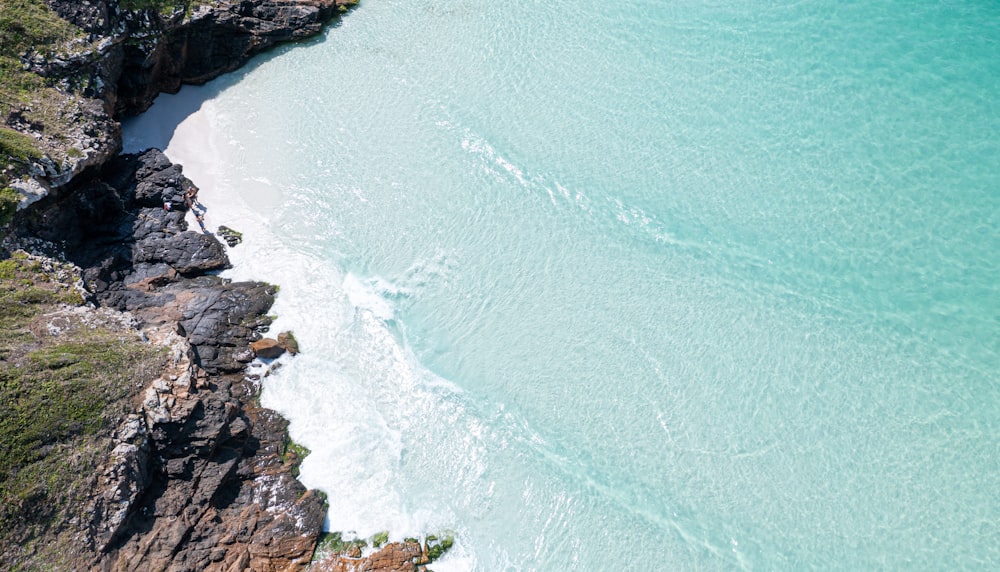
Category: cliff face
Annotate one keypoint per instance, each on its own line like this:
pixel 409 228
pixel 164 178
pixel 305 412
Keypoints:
pixel 213 39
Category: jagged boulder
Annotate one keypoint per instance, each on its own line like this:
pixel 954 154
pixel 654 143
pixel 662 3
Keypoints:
pixel 221 318
pixel 158 181
pixel 287 340
pixel 222 498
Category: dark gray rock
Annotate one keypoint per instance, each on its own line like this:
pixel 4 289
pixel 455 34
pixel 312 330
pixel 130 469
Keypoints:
pixel 92 17
pixel 117 229
pixel 206 43
pixel 222 319
pixel 187 253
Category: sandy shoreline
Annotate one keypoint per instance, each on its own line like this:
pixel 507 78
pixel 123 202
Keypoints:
pixel 314 304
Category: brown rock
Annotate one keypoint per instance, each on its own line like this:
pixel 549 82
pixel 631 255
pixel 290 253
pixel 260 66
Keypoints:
pixel 267 348
pixel 393 557
pixel 288 341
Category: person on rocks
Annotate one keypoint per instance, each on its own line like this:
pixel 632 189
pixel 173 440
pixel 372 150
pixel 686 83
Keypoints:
pixel 201 222
pixel 191 198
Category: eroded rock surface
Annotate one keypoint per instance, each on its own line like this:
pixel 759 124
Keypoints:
pixel 393 557
pixel 197 479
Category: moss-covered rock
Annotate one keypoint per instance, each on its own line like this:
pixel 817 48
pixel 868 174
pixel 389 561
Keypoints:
pixel 287 340
pixel 293 454
pixel 333 552
pixel 331 543
pixel 436 546
pixel 9 199
pixel 380 538
pixel 231 236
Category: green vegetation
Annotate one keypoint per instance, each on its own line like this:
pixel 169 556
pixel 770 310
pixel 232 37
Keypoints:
pixel 380 538
pixel 24 25
pixel 334 543
pixel 65 385
pixel 293 453
pixel 14 145
pixel 435 547
pixel 9 199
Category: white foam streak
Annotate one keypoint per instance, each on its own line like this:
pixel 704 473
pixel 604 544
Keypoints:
pixel 365 299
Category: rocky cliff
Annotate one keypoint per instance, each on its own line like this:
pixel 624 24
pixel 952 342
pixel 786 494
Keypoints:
pixel 198 477
pixel 140 442
pixel 113 59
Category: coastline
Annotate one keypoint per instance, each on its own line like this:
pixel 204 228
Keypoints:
pixel 305 283
pixel 182 125
pixel 207 479
pixel 600 297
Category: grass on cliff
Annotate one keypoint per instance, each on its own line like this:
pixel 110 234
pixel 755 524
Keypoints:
pixel 9 199
pixel 161 6
pixel 17 145
pixel 24 25
pixel 66 382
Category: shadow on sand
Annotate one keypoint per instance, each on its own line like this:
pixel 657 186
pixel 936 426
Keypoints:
pixel 155 127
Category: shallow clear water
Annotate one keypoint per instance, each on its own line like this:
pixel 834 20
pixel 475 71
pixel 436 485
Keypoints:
pixel 630 286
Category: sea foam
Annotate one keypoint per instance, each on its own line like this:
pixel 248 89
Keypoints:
pixel 348 401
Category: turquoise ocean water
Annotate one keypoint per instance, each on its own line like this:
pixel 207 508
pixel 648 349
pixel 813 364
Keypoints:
pixel 634 285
